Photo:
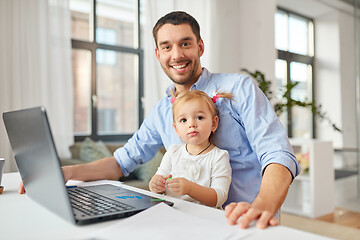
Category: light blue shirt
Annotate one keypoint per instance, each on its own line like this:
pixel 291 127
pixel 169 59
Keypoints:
pixel 248 129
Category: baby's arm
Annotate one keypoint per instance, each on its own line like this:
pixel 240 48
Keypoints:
pixel 221 178
pixel 182 186
pixel 157 182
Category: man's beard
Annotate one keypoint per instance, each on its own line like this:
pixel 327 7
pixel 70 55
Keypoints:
pixel 183 81
pixel 187 80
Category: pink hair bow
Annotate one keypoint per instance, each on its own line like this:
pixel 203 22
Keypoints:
pixel 215 98
pixel 172 100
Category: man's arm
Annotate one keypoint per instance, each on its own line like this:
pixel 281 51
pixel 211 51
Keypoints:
pixel 273 190
pixel 106 168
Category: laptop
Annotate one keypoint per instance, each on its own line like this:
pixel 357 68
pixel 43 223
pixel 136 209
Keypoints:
pixel 39 166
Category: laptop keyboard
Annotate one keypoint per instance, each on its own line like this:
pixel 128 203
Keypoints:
pixel 92 204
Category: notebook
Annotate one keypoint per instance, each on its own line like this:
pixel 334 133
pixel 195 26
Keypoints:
pixel 39 166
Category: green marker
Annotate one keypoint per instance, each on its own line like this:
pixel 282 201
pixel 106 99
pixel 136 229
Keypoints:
pixel 157 200
pixel 169 178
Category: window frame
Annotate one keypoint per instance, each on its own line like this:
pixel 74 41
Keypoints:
pixel 290 57
pixel 92 46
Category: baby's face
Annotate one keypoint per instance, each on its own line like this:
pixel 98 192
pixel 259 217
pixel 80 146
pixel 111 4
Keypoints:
pixel 194 122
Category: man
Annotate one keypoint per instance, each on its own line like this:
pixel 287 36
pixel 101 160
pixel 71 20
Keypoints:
pixel 261 157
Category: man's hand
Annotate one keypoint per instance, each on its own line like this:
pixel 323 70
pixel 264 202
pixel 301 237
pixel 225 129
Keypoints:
pixel 157 183
pixel 180 186
pixel 249 212
pixel 274 187
pixel 21 188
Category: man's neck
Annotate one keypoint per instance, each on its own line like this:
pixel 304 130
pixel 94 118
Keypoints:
pixel 184 88
pixel 181 88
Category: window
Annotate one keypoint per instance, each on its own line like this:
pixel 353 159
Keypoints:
pixel 107 68
pixel 294 41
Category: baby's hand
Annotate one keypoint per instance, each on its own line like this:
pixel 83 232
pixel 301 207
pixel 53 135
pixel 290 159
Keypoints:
pixel 157 183
pixel 180 186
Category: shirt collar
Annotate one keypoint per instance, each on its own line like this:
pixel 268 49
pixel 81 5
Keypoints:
pixel 199 85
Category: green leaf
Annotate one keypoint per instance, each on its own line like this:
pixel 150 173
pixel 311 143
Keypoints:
pixel 287 102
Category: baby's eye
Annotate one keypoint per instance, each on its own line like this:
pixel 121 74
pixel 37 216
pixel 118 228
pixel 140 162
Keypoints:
pixel 200 117
pixel 183 120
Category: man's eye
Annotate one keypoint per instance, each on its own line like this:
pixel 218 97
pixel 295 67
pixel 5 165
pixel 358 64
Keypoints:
pixel 166 47
pixel 186 44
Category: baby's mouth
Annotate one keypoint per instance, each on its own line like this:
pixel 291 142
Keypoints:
pixel 193 133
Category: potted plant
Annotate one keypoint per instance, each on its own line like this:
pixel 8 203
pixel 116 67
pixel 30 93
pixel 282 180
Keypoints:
pixel 286 101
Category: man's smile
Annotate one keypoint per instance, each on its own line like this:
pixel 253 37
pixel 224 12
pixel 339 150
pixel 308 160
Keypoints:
pixel 179 66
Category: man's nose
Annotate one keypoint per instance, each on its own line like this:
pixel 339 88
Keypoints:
pixel 177 53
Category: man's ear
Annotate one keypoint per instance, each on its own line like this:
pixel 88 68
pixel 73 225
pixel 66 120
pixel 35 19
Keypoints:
pixel 201 47
pixel 215 123
pixel 157 54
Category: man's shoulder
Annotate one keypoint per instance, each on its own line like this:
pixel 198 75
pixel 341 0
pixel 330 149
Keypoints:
pixel 231 82
pixel 230 78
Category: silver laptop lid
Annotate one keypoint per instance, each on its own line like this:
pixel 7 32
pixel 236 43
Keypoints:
pixel 37 160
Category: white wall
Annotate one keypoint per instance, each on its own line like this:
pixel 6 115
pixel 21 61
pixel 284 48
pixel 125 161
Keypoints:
pixel 243 36
pixel 335 75
pixel 348 76
pixel 327 74
pixel 257 50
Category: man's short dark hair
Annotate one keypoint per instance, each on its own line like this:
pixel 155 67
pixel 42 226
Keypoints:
pixel 177 18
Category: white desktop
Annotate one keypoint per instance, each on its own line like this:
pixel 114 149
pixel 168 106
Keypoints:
pixel 22 218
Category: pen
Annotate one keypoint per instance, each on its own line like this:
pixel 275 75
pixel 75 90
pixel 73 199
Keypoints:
pixel 166 182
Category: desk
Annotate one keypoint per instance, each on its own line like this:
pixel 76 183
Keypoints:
pixel 22 218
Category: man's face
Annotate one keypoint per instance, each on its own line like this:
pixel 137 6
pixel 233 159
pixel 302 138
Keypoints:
pixel 179 54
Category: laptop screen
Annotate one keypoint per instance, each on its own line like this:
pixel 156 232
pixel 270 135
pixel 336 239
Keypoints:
pixel 37 160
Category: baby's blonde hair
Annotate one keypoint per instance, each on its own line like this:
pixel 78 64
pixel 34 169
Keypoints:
pixel 197 94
